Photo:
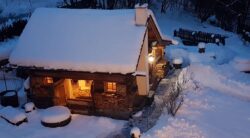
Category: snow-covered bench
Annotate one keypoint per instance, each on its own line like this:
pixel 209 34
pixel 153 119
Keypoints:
pixel 191 37
pixel 56 116
pixel 13 115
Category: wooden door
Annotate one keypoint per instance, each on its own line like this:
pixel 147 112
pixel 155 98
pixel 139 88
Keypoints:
pixel 59 93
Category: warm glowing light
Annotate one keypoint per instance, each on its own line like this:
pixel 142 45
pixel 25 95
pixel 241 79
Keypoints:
pixel 48 80
pixel 84 85
pixel 111 86
pixel 81 84
pixel 151 59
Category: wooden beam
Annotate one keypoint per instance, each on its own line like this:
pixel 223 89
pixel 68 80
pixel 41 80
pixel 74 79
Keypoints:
pixel 80 75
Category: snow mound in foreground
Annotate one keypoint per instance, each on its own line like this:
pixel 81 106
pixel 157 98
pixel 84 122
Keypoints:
pixel 13 115
pixel 177 128
pixel 55 114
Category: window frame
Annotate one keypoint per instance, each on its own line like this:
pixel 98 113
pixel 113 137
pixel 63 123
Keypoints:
pixel 113 88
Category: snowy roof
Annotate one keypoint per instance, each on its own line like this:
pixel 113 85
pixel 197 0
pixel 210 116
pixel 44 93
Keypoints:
pixel 80 40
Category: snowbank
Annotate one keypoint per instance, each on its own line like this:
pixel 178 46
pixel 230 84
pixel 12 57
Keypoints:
pixel 223 78
pixel 241 64
pixel 214 54
pixel 13 115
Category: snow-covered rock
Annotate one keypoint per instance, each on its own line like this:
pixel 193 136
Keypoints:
pixel 13 115
pixel 56 114
pixel 29 107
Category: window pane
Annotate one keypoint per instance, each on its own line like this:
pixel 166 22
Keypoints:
pixel 111 86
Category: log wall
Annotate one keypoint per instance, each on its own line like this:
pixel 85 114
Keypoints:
pixel 120 104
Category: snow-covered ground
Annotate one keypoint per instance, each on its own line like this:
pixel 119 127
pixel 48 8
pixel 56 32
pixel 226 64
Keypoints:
pixel 80 126
pixel 217 94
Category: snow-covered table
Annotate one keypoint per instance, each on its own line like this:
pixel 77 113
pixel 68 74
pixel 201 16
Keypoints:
pixel 56 116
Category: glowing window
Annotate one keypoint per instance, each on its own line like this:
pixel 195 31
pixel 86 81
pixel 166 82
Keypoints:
pixel 48 80
pixel 84 84
pixel 111 86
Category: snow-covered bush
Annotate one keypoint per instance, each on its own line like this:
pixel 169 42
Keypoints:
pixel 175 99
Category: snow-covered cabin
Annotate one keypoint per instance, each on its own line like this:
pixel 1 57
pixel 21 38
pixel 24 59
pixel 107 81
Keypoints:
pixel 93 61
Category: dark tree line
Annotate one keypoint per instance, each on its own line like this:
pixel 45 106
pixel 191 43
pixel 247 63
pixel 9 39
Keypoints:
pixel 103 4
pixel 10 31
pixel 232 15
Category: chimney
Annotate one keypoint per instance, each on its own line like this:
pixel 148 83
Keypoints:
pixel 141 14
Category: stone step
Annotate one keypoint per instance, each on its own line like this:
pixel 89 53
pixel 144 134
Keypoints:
pixel 79 102
pixel 84 112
